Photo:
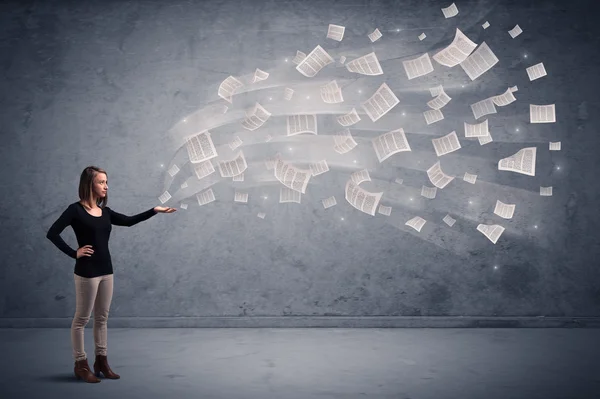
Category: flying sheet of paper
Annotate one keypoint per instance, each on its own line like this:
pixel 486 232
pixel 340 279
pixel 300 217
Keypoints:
pixel 288 93
pixel 491 231
pixel 344 142
pixel 450 11
pixel 173 170
pixel 233 167
pixel 297 124
pixel 329 202
pixel 385 210
pixel 288 195
pixel 446 144
pixel 348 119
pixel 416 223
pixel 390 143
pixel 300 56
pixel 469 178
pixel 164 197
pixel 479 62
pixel 365 65
pixel 259 75
pixel 483 108
pixel 504 99
pixel 200 147
pixel 449 220
pixel 256 117
pixel 516 31
pixel 376 35
pixel 360 176
pixel 428 192
pixel 440 101
pixel 437 177
pixel 477 130
pixel 542 113
pixel 523 161
pixel 433 116
pixel 314 62
pixel 380 103
pixel 505 211
pixel 228 88
pixel 335 32
pixel 536 71
pixel 240 197
pixel 457 51
pixel 361 199
pixel 417 67
pixel 204 169
pixel 319 168
pixel 206 197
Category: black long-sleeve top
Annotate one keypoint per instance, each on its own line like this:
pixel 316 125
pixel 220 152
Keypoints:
pixel 94 231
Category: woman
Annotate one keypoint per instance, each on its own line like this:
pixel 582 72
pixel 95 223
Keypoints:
pixel 91 221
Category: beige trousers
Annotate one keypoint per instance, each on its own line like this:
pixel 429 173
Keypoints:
pixel 91 294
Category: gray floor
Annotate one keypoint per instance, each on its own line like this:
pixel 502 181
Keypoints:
pixel 310 363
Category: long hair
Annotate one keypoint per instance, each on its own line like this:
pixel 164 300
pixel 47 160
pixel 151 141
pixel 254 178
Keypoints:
pixel 85 185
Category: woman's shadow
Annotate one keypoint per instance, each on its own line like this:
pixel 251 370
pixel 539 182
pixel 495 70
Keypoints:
pixel 59 377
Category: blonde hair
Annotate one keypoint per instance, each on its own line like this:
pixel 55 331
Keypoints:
pixel 86 182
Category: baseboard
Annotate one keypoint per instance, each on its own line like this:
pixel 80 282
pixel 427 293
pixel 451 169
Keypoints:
pixel 316 322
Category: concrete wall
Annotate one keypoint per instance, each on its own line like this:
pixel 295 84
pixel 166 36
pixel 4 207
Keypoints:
pixel 121 84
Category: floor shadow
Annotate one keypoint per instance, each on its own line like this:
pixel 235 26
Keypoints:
pixel 62 377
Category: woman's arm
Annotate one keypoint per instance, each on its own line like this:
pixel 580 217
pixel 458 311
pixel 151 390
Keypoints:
pixel 119 219
pixel 57 227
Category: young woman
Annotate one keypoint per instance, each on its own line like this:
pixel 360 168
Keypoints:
pixel 92 222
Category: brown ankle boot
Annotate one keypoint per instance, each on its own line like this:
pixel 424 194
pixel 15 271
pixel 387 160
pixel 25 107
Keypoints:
pixel 101 366
pixel 83 372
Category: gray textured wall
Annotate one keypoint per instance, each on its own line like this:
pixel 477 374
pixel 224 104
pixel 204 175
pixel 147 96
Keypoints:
pixel 110 84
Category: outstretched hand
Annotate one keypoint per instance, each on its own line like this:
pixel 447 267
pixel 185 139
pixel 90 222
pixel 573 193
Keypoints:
pixel 163 209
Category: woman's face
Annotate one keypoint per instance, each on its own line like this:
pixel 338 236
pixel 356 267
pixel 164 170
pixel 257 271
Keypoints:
pixel 100 186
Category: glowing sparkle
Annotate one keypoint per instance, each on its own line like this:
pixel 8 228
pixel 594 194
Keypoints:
pixel 342 218
pixel 286 60
pixel 398 30
pixel 535 227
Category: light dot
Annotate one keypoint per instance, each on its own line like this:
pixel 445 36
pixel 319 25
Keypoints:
pixel 558 167
pixel 161 165
pixel 470 202
pixel 495 267
pixel 360 91
pixel 342 218
pixel 517 129
pixel 185 120
pixel 525 55
pixel 265 197
pixel 308 97
pixel 270 98
pixel 404 114
pixel 290 148
pixel 398 30
pixel 411 199
pixel 462 85
pixel 286 60
pixel 355 161
pixel 535 227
